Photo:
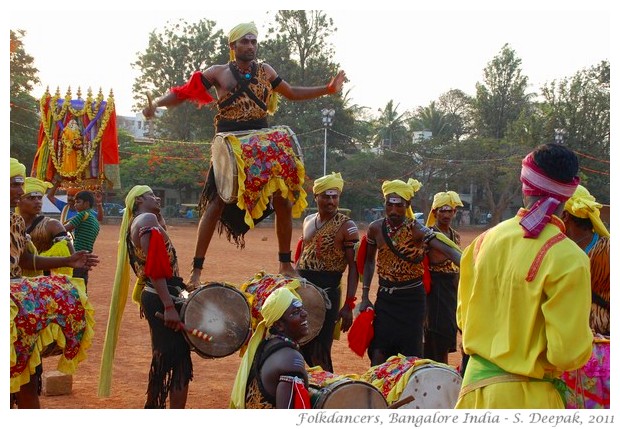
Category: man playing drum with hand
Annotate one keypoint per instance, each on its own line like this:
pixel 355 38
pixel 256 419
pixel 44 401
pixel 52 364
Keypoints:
pixel 272 373
pixel 246 94
pixel 145 245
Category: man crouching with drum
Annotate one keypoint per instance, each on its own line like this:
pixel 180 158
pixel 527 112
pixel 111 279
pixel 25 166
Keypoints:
pixel 145 245
pixel 245 92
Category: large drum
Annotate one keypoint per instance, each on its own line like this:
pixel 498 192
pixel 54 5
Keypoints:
pixel 254 157
pixel 260 287
pixel 329 391
pixel 432 385
pixel 222 312
pixel 588 386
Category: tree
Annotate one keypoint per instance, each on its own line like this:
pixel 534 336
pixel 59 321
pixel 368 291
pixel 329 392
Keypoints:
pixel 577 112
pixel 390 127
pixel 24 117
pixel 170 58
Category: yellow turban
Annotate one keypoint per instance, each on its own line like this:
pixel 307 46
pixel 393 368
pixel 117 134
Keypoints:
pixel 405 190
pixel 330 181
pixel 33 184
pixel 272 310
pixel 441 199
pixel 17 168
pixel 238 32
pixel 584 206
pixel 119 293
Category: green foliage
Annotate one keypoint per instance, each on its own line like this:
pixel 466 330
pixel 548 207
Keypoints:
pixel 23 116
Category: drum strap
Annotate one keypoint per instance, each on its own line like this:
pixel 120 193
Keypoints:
pixel 243 86
pixel 176 299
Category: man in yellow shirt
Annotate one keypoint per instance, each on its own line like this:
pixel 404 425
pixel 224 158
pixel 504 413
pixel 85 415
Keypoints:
pixel 524 295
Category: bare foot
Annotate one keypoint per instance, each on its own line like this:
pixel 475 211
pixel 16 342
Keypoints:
pixel 194 279
pixel 286 269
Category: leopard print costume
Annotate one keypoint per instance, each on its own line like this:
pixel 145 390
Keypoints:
pixel 320 252
pixel 243 108
pixel 599 272
pixel 18 243
pixel 392 268
pixel 447 266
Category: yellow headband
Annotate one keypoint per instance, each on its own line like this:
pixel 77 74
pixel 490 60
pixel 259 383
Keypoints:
pixel 330 181
pixel 584 206
pixel 17 168
pixel 238 32
pixel 441 199
pixel 35 185
pixel 405 190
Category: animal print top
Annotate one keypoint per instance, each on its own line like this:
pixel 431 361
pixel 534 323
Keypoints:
pixel 244 108
pixel 137 258
pixel 320 252
pixel 39 235
pixel 447 266
pixel 393 268
pixel 18 243
pixel 599 272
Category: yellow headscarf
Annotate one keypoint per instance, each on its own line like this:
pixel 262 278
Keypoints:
pixel 330 181
pixel 119 294
pixel 17 168
pixel 238 32
pixel 32 184
pixel 272 310
pixel 584 206
pixel 441 199
pixel 405 190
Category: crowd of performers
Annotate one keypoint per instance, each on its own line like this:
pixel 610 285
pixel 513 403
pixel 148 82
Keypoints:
pixel 529 296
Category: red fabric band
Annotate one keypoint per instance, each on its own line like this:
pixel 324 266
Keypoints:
pixel 193 90
pixel 157 263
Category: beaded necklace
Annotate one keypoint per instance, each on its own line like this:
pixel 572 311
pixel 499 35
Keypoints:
pixel 246 73
pixel 392 231
pixel 283 338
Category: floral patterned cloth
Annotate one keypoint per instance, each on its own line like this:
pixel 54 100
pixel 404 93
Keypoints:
pixel 588 387
pixel 47 310
pixel 267 162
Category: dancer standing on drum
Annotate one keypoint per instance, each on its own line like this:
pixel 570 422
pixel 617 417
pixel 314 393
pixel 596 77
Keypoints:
pixel 328 242
pixel 440 328
pixel 401 242
pixel 245 96
pixel 584 226
pixel 44 309
pixel 272 373
pixel 524 295
pixel 145 245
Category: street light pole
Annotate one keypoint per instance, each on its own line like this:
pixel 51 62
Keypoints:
pixel 328 119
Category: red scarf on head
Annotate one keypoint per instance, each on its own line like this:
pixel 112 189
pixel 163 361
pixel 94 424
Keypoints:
pixel 536 183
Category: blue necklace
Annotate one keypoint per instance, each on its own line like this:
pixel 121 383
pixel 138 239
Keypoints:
pixel 246 74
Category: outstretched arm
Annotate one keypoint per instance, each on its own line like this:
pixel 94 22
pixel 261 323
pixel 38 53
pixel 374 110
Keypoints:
pixel 309 92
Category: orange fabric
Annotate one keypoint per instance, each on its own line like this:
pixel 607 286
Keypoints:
pixel 426 277
pixel 157 262
pixel 362 331
pixel 361 255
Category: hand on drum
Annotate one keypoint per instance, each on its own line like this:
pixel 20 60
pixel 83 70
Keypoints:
pixel 172 319
pixel 83 259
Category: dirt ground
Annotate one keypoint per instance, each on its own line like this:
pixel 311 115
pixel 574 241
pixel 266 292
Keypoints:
pixel 213 378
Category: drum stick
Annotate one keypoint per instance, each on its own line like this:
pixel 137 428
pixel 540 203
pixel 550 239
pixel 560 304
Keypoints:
pixel 401 402
pixel 202 335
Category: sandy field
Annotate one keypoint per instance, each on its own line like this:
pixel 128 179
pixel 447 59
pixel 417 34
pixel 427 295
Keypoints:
pixel 213 378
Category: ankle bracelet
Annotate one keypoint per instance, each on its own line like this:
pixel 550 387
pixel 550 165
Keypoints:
pixel 284 256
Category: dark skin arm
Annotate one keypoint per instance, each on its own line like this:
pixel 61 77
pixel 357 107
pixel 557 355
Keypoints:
pixel 346 313
pixel 79 259
pixel 285 361
pixel 373 233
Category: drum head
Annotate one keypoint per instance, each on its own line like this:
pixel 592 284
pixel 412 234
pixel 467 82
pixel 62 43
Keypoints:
pixel 432 387
pixel 314 303
pixel 224 169
pixel 352 394
pixel 220 311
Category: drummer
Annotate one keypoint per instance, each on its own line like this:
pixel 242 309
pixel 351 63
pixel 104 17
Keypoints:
pixel 144 243
pixel 272 373
pixel 42 296
pixel 246 93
